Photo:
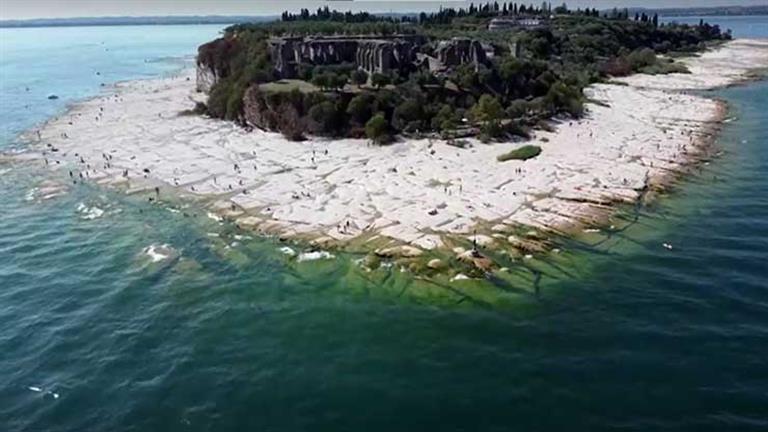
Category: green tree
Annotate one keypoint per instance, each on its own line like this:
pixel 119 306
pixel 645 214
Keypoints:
pixel 337 81
pixel 562 97
pixel 408 115
pixel 511 68
pixel 641 58
pixel 424 78
pixel 380 80
pixel 517 108
pixel 465 76
pixel 217 99
pixel 445 119
pixel 376 129
pixel 325 116
pixel 488 112
pixel 359 77
pixel 359 107
pixel 543 82
pixel 321 80
pixel 329 80
pixel 385 101
pixel 487 109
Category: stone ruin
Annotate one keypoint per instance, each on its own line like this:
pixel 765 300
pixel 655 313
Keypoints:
pixel 374 54
pixel 459 51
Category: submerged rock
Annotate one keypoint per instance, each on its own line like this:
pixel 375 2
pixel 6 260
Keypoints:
pixel 436 264
pixel 459 277
pixel 474 258
pixel 403 251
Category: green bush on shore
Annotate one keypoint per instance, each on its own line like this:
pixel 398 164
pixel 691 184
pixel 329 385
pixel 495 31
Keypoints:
pixel 523 153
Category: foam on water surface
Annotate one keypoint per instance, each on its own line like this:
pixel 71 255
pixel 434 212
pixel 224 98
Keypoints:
pixel 89 212
pixel 314 256
pixel 158 253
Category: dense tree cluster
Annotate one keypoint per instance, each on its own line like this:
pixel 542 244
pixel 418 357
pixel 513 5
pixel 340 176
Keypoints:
pixel 513 91
pixel 325 14
pixel 496 9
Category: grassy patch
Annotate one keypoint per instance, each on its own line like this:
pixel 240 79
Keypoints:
pixel 458 143
pixel 523 153
pixel 665 67
pixel 288 85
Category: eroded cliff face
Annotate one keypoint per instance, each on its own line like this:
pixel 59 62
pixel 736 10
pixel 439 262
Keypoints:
pixel 213 61
pixel 258 112
pixel 206 77
pixel 271 112
pixel 289 115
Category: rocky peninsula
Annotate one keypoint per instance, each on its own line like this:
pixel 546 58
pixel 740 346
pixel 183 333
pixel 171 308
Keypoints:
pixel 458 155
pixel 414 197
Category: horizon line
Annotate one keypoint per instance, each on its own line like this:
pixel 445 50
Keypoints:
pixel 277 15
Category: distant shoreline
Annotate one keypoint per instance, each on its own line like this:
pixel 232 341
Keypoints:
pixel 238 19
pixel 134 21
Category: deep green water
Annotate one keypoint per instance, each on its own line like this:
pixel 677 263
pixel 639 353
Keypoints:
pixel 231 336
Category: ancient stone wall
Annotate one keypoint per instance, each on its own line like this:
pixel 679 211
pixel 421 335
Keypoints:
pixel 456 52
pixel 372 54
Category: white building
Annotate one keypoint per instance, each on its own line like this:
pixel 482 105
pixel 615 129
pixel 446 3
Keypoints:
pixel 511 23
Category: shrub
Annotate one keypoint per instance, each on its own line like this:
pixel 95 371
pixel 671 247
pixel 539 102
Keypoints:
pixel 326 117
pixel 639 59
pixel 523 153
pixel 377 129
pixel 565 98
pixel 359 77
pixel 329 80
pixel 380 80
pixel 665 67
pixel 488 112
pixel 517 129
pixel 445 119
pixel 617 67
pixel 359 108
pixel 408 115
pixel 487 109
pixel 517 108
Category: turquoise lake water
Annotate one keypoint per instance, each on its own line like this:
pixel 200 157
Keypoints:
pixel 637 338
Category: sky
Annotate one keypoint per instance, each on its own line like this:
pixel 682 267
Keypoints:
pixel 25 9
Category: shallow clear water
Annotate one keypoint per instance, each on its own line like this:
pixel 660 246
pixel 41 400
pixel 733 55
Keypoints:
pixel 226 334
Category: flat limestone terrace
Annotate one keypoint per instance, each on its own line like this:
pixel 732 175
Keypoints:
pixel 635 135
